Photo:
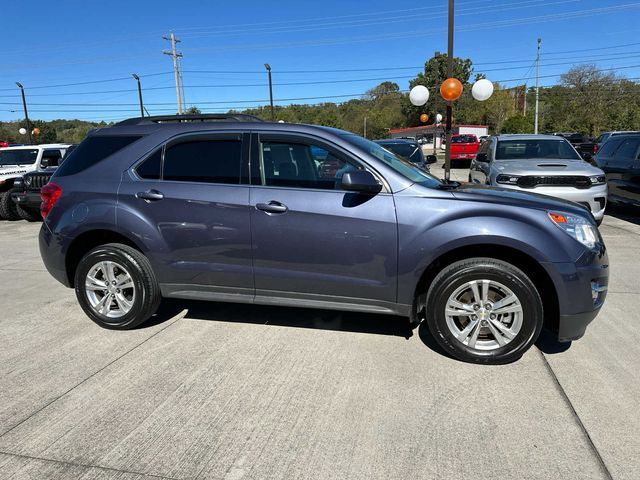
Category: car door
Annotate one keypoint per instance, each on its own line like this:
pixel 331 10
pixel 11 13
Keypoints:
pixel 619 169
pixel 313 241
pixel 195 213
pixel 630 178
pixel 479 171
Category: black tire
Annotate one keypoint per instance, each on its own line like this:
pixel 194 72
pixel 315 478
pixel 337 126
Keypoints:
pixel 28 214
pixel 147 291
pixel 454 276
pixel 8 209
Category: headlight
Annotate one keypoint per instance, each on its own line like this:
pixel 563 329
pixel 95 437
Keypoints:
pixel 578 227
pixel 598 180
pixel 510 179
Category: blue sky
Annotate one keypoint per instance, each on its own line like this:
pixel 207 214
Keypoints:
pixel 61 42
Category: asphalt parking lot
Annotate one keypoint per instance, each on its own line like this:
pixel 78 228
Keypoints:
pixel 235 392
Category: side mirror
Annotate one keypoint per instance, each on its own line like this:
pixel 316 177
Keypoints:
pixel 44 163
pixel 360 181
pixel 482 157
pixel 431 159
pixel 586 156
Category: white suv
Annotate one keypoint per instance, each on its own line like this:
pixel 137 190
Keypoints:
pixel 16 161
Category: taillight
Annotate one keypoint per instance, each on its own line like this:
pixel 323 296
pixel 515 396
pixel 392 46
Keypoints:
pixel 49 194
pixel 595 148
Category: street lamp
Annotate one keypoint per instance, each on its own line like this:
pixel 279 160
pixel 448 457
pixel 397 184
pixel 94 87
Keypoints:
pixel 26 114
pixel 139 94
pixel 268 67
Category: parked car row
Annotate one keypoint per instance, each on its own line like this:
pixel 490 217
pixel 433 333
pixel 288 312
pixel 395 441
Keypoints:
pixel 23 171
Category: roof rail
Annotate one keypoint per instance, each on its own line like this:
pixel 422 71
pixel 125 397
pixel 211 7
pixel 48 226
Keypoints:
pixel 209 117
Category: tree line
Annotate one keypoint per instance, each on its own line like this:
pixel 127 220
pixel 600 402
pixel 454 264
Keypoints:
pixel 586 100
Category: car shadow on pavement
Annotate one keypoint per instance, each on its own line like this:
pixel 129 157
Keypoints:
pixel 626 213
pixel 548 343
pixel 283 316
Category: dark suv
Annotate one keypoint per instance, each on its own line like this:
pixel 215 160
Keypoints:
pixel 619 159
pixel 228 208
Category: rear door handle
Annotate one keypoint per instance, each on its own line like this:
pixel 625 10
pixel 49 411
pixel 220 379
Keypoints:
pixel 272 207
pixel 150 195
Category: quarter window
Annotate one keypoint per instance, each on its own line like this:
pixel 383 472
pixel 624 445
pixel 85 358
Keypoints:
pixel 150 168
pixel 297 165
pixel 207 161
pixel 628 149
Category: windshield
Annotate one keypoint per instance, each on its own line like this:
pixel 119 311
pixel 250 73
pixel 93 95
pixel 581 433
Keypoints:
pixel 463 139
pixel 410 151
pixel 18 157
pixel 401 166
pixel 535 149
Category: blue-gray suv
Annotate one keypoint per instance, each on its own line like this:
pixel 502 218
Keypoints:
pixel 229 208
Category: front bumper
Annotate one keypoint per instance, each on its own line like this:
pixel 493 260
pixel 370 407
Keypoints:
pixel 594 198
pixel 27 199
pixel 582 289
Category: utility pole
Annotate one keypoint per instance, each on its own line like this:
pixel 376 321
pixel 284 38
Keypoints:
pixel 176 71
pixel 26 114
pixel 449 114
pixel 139 94
pixel 435 114
pixel 535 125
pixel 184 98
pixel 365 127
pixel 268 67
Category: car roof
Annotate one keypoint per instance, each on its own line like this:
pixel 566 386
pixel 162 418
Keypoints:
pixel 31 147
pixel 529 136
pixel 395 140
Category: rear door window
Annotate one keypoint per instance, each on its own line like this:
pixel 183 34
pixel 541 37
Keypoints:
pixel 204 161
pixel 628 149
pixel 93 150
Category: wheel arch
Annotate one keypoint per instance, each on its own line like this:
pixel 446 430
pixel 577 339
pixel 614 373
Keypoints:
pixel 518 258
pixel 87 241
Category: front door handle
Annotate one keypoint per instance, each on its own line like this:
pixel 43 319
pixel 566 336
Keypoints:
pixel 150 195
pixel 272 207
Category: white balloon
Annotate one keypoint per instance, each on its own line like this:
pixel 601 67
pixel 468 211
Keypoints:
pixel 482 90
pixel 419 95
pixel 438 118
pixel 22 131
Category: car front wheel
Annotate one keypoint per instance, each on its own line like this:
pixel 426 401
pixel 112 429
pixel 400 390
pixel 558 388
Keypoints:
pixel 116 287
pixel 484 310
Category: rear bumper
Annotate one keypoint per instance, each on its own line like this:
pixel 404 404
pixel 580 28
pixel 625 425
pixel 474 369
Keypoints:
pixel 52 255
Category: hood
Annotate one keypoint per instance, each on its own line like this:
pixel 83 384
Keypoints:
pixel 13 170
pixel 517 198
pixel 545 166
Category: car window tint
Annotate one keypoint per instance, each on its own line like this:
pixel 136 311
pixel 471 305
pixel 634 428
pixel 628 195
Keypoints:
pixel 51 157
pixel 92 150
pixel 206 161
pixel 150 168
pixel 628 149
pixel 296 165
pixel 609 147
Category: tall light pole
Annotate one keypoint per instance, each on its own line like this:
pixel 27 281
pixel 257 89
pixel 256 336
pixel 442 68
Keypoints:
pixel 26 114
pixel 268 67
pixel 535 124
pixel 449 110
pixel 139 94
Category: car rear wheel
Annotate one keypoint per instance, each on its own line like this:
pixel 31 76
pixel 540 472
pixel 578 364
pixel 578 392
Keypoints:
pixel 484 310
pixel 116 287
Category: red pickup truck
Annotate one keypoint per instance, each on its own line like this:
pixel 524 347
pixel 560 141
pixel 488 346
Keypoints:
pixel 464 146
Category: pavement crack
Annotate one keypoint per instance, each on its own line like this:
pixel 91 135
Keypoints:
pixel 84 465
pixel 577 418
pixel 88 378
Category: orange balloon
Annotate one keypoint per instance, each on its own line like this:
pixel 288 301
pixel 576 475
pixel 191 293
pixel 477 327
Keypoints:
pixel 451 89
pixel 424 118
pixel 36 131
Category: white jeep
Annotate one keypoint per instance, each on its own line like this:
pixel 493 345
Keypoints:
pixel 16 161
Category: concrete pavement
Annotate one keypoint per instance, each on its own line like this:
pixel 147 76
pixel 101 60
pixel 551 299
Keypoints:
pixel 227 391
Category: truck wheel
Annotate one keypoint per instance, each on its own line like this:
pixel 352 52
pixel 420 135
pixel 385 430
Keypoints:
pixel 28 214
pixel 8 209
pixel 116 287
pixel 483 310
